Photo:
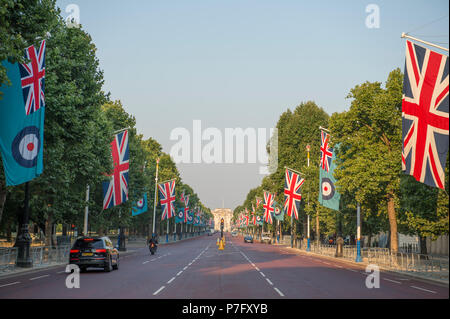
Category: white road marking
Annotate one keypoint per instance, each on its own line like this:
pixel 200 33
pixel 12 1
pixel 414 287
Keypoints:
pixel 397 282
pixel 185 268
pixel 60 272
pixel 434 292
pixel 157 291
pixel 179 273
pixel 269 281
pixel 262 274
pixel 145 262
pixel 279 292
pixel 13 283
pixel 39 277
pixel 352 270
pixel 173 278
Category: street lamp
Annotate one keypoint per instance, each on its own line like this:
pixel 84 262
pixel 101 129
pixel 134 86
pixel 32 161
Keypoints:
pixel 308 244
pixel 155 198
pixel 358 233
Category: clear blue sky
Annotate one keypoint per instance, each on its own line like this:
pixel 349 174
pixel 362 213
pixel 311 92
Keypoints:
pixel 238 63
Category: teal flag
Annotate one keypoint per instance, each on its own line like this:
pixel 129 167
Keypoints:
pixel 190 218
pixel 179 217
pixel 259 220
pixel 140 206
pixel 22 110
pixel 328 195
pixel 278 213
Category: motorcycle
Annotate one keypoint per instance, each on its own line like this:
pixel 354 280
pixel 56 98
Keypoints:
pixel 152 248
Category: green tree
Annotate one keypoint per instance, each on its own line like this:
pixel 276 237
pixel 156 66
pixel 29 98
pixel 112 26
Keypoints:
pixel 369 161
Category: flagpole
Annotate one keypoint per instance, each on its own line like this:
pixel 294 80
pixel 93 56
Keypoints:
pixel 23 240
pixel 358 233
pixel 167 232
pixel 308 247
pixel 155 198
pixel 405 35
pixel 86 212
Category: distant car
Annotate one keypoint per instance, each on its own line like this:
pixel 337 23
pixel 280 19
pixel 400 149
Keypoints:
pixel 248 239
pixel 94 252
pixel 266 238
pixel 234 234
pixel 211 232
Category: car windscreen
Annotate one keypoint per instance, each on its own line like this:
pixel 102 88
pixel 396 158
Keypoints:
pixel 88 243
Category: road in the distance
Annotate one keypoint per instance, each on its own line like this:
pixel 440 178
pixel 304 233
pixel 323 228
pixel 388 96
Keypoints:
pixel 196 269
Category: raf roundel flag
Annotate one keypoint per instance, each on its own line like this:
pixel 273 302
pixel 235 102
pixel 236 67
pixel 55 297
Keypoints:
pixel 22 109
pixel 140 206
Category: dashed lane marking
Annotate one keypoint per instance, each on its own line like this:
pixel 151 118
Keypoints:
pixel 397 282
pixel 39 277
pixel 157 291
pixel 279 292
pixel 433 292
pixel 10 284
pixel 173 278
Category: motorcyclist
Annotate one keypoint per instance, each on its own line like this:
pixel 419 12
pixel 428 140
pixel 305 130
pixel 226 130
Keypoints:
pixel 153 240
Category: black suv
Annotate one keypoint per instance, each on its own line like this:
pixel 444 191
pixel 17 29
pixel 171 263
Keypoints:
pixel 94 252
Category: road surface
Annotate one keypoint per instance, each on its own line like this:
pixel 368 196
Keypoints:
pixel 196 269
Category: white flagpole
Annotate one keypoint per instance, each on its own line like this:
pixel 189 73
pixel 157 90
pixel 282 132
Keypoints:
pixel 86 212
pixel 155 198
pixel 404 35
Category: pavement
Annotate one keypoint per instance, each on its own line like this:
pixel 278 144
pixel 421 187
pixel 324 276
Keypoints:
pixel 196 269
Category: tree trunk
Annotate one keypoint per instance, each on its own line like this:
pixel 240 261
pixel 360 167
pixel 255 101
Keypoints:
pixel 392 223
pixel 48 229
pixel 2 199
pixel 317 227
pixel 423 245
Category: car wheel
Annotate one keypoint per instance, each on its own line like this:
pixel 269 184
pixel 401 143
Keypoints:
pixel 108 266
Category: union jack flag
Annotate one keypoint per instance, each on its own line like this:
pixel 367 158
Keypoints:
pixel 32 76
pixel 182 198
pixel 258 201
pixel 167 191
pixel 292 195
pixel 326 153
pixel 115 192
pixel 186 200
pixel 268 207
pixel 425 115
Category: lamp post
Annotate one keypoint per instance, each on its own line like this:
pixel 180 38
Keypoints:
pixel 308 244
pixel 358 233
pixel 23 241
pixel 155 198
pixel 86 213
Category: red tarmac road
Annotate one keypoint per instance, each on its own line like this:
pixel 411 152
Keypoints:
pixel 196 269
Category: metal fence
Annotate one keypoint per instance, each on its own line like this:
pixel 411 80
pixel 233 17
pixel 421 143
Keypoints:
pixel 426 266
pixel 41 256
pixel 8 256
